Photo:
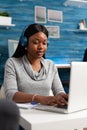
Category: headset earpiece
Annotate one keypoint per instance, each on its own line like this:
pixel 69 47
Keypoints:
pixel 23 39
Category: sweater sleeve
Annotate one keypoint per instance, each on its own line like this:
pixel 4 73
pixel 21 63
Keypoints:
pixel 10 82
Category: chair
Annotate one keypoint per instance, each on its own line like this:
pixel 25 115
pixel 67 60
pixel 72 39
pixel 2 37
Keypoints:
pixel 12 45
pixel 85 56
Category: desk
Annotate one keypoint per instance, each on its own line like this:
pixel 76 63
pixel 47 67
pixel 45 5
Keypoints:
pixel 63 66
pixel 31 119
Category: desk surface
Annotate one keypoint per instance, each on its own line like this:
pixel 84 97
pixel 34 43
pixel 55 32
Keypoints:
pixel 42 120
pixel 62 65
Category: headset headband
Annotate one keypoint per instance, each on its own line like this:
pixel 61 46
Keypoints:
pixel 23 39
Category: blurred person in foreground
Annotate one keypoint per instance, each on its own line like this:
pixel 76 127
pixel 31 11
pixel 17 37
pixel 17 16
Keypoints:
pixel 9 115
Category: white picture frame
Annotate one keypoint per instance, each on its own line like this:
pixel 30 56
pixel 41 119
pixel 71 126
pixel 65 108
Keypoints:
pixel 54 31
pixel 55 16
pixel 40 14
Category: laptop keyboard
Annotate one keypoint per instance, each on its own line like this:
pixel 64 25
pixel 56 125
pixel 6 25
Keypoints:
pixel 48 108
pixel 64 107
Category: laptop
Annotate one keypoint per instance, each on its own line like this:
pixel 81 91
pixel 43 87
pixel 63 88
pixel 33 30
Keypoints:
pixel 77 91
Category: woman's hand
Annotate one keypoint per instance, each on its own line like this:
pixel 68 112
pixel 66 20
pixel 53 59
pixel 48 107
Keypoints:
pixel 62 99
pixel 47 100
pixel 58 100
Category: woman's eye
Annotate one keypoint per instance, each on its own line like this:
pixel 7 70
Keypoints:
pixel 36 42
pixel 44 43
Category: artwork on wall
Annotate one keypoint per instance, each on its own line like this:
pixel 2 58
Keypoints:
pixel 55 16
pixel 54 31
pixel 40 14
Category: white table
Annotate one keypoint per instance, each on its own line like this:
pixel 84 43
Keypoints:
pixel 63 66
pixel 31 119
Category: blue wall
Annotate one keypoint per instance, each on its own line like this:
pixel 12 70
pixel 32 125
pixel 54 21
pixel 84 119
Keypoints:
pixel 69 47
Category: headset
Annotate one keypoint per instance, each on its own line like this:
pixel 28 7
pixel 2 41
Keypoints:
pixel 23 39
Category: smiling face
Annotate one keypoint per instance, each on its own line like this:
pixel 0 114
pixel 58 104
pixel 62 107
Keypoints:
pixel 37 45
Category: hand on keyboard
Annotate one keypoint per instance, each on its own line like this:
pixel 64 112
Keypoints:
pixel 62 99
pixel 59 100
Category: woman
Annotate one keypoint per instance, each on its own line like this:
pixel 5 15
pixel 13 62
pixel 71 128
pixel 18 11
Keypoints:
pixel 28 76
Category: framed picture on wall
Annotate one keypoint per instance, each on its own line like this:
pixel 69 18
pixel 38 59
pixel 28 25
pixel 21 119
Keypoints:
pixel 54 31
pixel 55 16
pixel 40 14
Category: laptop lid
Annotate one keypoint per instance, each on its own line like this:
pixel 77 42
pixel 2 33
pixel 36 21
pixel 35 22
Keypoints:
pixel 78 87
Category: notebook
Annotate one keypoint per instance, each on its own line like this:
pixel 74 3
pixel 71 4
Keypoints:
pixel 77 90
